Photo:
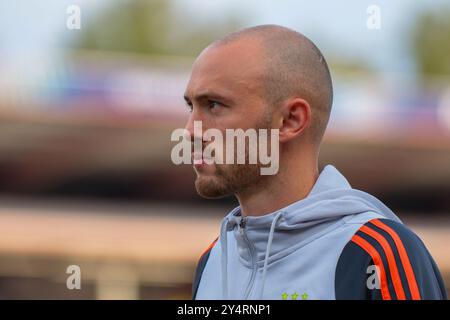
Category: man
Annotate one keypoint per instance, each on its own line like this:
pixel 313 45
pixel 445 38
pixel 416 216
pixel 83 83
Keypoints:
pixel 297 234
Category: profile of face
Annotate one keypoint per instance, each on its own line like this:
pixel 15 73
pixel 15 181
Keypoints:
pixel 264 77
pixel 225 91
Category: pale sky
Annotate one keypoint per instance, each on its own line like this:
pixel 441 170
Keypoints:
pixel 35 27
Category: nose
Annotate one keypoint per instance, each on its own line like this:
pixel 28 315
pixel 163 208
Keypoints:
pixel 189 127
pixel 193 129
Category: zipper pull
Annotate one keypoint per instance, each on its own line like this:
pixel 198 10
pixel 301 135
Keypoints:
pixel 242 224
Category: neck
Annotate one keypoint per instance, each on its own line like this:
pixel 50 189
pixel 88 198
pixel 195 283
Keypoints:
pixel 289 185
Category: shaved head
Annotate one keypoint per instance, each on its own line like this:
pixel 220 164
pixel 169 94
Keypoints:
pixel 293 67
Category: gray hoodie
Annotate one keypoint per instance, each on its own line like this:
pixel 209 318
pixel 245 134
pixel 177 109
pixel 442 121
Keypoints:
pixel 293 253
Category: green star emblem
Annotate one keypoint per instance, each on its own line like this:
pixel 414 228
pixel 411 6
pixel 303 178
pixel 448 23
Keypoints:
pixel 294 296
pixel 284 296
pixel 304 296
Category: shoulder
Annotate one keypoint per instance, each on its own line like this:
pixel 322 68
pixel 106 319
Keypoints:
pixel 388 261
pixel 201 266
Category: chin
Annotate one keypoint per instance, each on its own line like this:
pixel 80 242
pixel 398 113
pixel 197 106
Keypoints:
pixel 210 187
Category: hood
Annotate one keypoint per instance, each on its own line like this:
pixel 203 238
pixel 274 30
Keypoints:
pixel 270 236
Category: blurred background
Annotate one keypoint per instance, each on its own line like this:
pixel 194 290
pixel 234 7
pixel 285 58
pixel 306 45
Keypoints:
pixel 87 107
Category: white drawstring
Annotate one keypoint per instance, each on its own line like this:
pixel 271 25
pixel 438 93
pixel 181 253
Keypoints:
pixel 224 254
pixel 266 259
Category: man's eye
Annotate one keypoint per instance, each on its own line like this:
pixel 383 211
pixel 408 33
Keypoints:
pixel 189 107
pixel 214 105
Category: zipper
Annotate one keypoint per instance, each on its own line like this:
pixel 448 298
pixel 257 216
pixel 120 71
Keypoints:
pixel 242 225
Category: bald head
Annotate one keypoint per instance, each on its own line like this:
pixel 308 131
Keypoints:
pixel 292 67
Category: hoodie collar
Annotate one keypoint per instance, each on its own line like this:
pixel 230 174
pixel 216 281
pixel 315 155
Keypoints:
pixel 251 233
pixel 330 178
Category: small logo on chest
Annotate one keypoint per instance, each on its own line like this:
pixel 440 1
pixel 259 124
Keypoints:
pixel 294 296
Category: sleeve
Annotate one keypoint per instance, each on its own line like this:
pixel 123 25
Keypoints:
pixel 200 267
pixel 385 260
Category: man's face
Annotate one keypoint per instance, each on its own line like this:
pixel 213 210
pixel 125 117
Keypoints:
pixel 225 91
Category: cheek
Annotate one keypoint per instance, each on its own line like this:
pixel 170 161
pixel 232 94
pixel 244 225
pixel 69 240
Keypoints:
pixel 254 115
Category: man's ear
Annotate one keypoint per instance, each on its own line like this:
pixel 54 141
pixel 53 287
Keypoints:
pixel 296 117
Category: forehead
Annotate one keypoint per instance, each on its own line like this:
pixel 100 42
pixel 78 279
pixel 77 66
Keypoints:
pixel 233 67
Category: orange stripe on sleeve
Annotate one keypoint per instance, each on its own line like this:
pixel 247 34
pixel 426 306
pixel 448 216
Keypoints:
pixel 415 293
pixel 398 287
pixel 378 262
pixel 209 247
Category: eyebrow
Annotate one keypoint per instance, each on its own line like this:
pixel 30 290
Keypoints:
pixel 208 96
